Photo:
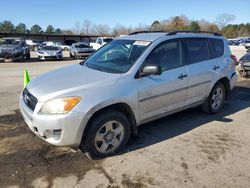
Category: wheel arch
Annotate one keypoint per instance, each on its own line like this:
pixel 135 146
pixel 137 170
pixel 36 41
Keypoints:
pixel 121 107
pixel 226 82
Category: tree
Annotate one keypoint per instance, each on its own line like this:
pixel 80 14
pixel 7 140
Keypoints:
pixel 36 29
pixel 120 30
pixel 194 26
pixel 58 31
pixel 155 26
pixel 179 23
pixel 223 19
pixel 50 29
pixel 213 28
pixel 87 27
pixel 67 32
pixel 20 28
pixel 6 27
pixel 77 28
pixel 102 29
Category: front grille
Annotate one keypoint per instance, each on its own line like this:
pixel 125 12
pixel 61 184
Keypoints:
pixel 29 99
pixel 7 50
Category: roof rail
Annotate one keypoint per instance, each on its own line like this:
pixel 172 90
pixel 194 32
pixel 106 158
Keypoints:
pixel 175 32
pixel 137 32
pixel 206 32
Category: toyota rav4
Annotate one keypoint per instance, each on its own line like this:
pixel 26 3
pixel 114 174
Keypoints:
pixel 96 105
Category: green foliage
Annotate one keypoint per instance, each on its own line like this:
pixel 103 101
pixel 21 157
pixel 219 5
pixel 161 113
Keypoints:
pixel 36 29
pixel 20 28
pixel 58 31
pixel 193 26
pixel 50 29
pixel 6 27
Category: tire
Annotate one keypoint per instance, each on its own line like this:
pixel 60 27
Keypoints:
pixel 108 133
pixel 215 100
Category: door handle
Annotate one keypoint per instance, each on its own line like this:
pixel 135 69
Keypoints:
pixel 216 67
pixel 181 76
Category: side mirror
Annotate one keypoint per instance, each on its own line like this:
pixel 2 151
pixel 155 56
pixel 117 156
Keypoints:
pixel 151 70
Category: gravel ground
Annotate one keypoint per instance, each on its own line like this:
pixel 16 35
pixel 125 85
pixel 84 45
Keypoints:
pixel 187 149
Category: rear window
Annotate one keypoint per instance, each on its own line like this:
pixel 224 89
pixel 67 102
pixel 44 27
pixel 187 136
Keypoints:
pixel 216 48
pixel 196 50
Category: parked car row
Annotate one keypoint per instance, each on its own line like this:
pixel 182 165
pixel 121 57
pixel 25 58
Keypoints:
pixel 19 48
pixel 243 41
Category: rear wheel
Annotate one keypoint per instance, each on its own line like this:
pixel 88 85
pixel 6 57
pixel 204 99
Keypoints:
pixel 108 133
pixel 215 100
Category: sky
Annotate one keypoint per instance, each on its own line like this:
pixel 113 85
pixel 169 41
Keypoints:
pixel 65 13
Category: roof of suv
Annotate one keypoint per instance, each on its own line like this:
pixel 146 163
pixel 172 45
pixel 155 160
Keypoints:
pixel 152 36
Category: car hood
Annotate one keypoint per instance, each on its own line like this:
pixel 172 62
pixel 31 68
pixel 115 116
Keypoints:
pixel 67 80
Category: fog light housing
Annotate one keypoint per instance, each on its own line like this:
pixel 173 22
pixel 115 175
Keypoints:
pixel 57 134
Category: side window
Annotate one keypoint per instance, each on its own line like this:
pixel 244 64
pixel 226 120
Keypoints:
pixel 216 48
pixel 196 50
pixel 99 41
pixel 168 55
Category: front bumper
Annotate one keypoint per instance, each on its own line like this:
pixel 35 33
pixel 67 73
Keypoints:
pixel 60 130
pixel 84 54
pixel 233 80
pixel 50 57
pixel 6 55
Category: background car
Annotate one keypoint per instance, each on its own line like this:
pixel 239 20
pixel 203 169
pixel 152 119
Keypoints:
pixel 62 45
pixel 247 44
pixel 80 49
pixel 69 42
pixel 50 53
pixel 14 48
pixel 100 41
pixel 244 65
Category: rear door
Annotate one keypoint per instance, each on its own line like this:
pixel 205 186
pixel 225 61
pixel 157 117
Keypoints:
pixel 202 69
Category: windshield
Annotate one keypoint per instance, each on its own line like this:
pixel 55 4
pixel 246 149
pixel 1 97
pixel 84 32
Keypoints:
pixel 117 56
pixel 245 57
pixel 81 45
pixel 9 42
pixel 107 40
pixel 50 48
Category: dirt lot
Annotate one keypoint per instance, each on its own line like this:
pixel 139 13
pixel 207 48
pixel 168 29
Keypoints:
pixel 188 149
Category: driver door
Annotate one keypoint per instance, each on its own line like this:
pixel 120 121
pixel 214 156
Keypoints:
pixel 161 94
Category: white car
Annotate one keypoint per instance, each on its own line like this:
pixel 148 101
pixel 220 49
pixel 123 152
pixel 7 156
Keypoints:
pixel 57 44
pixel 100 41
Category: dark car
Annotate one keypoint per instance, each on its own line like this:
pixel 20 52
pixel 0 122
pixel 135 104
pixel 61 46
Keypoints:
pixel 69 42
pixel 244 65
pixel 14 48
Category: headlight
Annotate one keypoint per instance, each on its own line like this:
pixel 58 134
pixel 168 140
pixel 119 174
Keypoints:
pixel 60 106
pixel 40 52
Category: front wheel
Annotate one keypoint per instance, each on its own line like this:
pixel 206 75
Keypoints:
pixel 215 100
pixel 108 133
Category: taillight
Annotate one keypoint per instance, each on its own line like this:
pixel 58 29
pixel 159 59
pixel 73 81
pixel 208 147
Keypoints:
pixel 234 58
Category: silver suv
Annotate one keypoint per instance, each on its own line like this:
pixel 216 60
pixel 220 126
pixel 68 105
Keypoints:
pixel 96 105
